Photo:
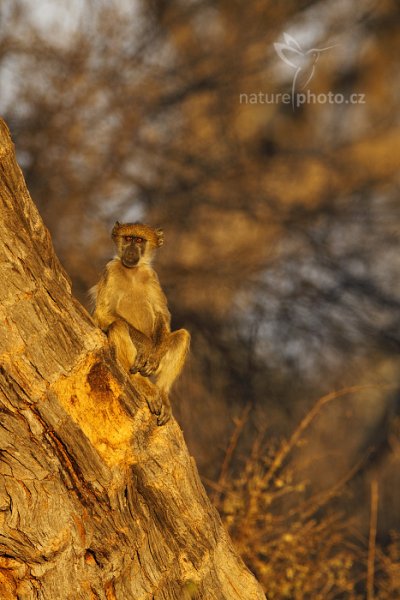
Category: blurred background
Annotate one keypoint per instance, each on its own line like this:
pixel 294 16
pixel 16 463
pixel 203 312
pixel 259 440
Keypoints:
pixel 282 228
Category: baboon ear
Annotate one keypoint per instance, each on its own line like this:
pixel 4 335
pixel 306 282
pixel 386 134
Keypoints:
pixel 115 229
pixel 160 237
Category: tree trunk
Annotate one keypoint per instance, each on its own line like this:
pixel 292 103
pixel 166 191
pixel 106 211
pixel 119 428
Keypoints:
pixel 96 501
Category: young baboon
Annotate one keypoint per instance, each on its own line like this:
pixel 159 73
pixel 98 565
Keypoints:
pixel 132 309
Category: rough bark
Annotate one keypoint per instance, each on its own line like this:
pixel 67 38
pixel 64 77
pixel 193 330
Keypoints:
pixel 96 501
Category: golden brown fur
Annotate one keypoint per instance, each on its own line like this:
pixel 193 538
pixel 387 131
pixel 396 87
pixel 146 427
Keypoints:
pixel 132 309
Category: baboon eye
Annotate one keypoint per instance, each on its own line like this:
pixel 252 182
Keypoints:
pixel 139 240
pixel 128 238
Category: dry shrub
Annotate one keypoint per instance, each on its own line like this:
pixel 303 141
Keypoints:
pixel 388 569
pixel 301 544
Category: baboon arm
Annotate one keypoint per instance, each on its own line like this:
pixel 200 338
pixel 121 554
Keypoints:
pixel 147 358
pixel 150 351
pixel 161 329
pixel 138 337
pixel 103 319
pixel 102 315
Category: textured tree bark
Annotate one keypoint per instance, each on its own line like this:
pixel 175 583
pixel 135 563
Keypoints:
pixel 96 501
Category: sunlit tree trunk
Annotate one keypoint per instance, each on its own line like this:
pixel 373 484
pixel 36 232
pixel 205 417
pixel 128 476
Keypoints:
pixel 96 501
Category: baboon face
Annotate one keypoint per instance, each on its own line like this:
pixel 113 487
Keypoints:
pixel 131 248
pixel 135 242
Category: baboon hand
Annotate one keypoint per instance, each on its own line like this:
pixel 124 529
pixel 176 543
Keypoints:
pixel 147 360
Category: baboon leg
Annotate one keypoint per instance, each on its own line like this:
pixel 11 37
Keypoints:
pixel 173 360
pixel 120 340
pixel 149 392
pixel 170 367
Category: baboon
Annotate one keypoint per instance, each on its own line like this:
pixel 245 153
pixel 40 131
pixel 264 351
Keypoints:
pixel 131 308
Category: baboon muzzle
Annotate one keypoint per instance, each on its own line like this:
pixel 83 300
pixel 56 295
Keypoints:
pixel 131 256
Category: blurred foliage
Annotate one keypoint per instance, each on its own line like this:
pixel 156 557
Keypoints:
pixel 282 225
